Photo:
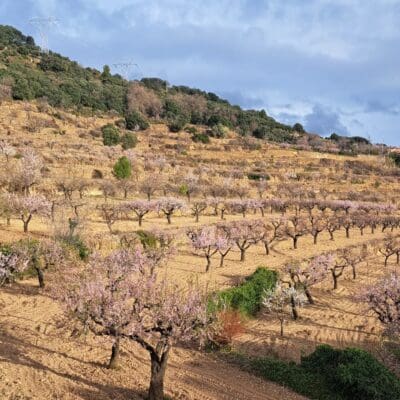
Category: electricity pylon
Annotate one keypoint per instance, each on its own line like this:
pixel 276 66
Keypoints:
pixel 43 25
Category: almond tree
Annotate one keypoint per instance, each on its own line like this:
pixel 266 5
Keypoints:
pixel 332 225
pixel 25 207
pixel 244 234
pixel 28 171
pixel 337 268
pixel 382 298
pixel 169 205
pixel 115 296
pixel 347 223
pixel 354 256
pixel 313 272
pixel 295 228
pixel 389 247
pixel 110 213
pixel 198 207
pixel 150 184
pixel 227 242
pixel 318 225
pixel 11 264
pixel 41 255
pixel 140 208
pixel 207 241
pixel 279 299
pixel 272 231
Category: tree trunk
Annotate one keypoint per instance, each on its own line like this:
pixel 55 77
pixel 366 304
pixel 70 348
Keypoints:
pixel 386 260
pixel 294 309
pixel 26 223
pixel 40 276
pixel 295 239
pixel 315 238
pixel 169 218
pixel 281 327
pixel 208 258
pixel 221 261
pixel 334 280
pixel 242 254
pixel 222 214
pixel 125 193
pixel 140 219
pixel 331 235
pixel 197 216
pixel 8 221
pixel 262 211
pixel 158 367
pixel 266 248
pixel 309 297
pixel 353 267
pixel 113 363
pixel 347 233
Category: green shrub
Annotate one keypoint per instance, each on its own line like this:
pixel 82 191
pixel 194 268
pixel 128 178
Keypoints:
pixel 147 239
pixel 129 141
pixel 218 131
pixel 247 297
pixel 257 177
pixel 191 129
pixel 76 243
pixel 353 373
pixel 177 124
pixel 122 168
pixel 395 157
pixel 135 121
pixel 110 135
pixel 331 374
pixel 201 138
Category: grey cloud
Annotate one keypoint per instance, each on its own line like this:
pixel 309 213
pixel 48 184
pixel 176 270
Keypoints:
pixel 324 122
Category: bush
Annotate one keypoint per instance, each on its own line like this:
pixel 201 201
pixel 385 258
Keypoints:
pixel 247 297
pixel 217 131
pixel 201 138
pixel 395 157
pixel 129 141
pixel 258 177
pixel 177 124
pixel 110 135
pixel 147 239
pixel 76 243
pixel 332 374
pixel 191 129
pixel 122 168
pixel 135 121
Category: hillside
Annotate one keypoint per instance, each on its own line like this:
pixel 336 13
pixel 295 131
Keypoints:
pixel 26 73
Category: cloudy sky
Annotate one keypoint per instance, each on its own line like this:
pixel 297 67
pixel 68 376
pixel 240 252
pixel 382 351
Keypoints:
pixel 333 65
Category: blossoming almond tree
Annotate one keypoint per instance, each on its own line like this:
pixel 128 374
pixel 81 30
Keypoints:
pixel 141 208
pixel 207 241
pixel 25 207
pixel 11 263
pixel 382 298
pixel 313 272
pixel 169 205
pixel 117 296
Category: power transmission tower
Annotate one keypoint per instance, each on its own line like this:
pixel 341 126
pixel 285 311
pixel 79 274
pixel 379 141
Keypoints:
pixel 125 69
pixel 43 25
